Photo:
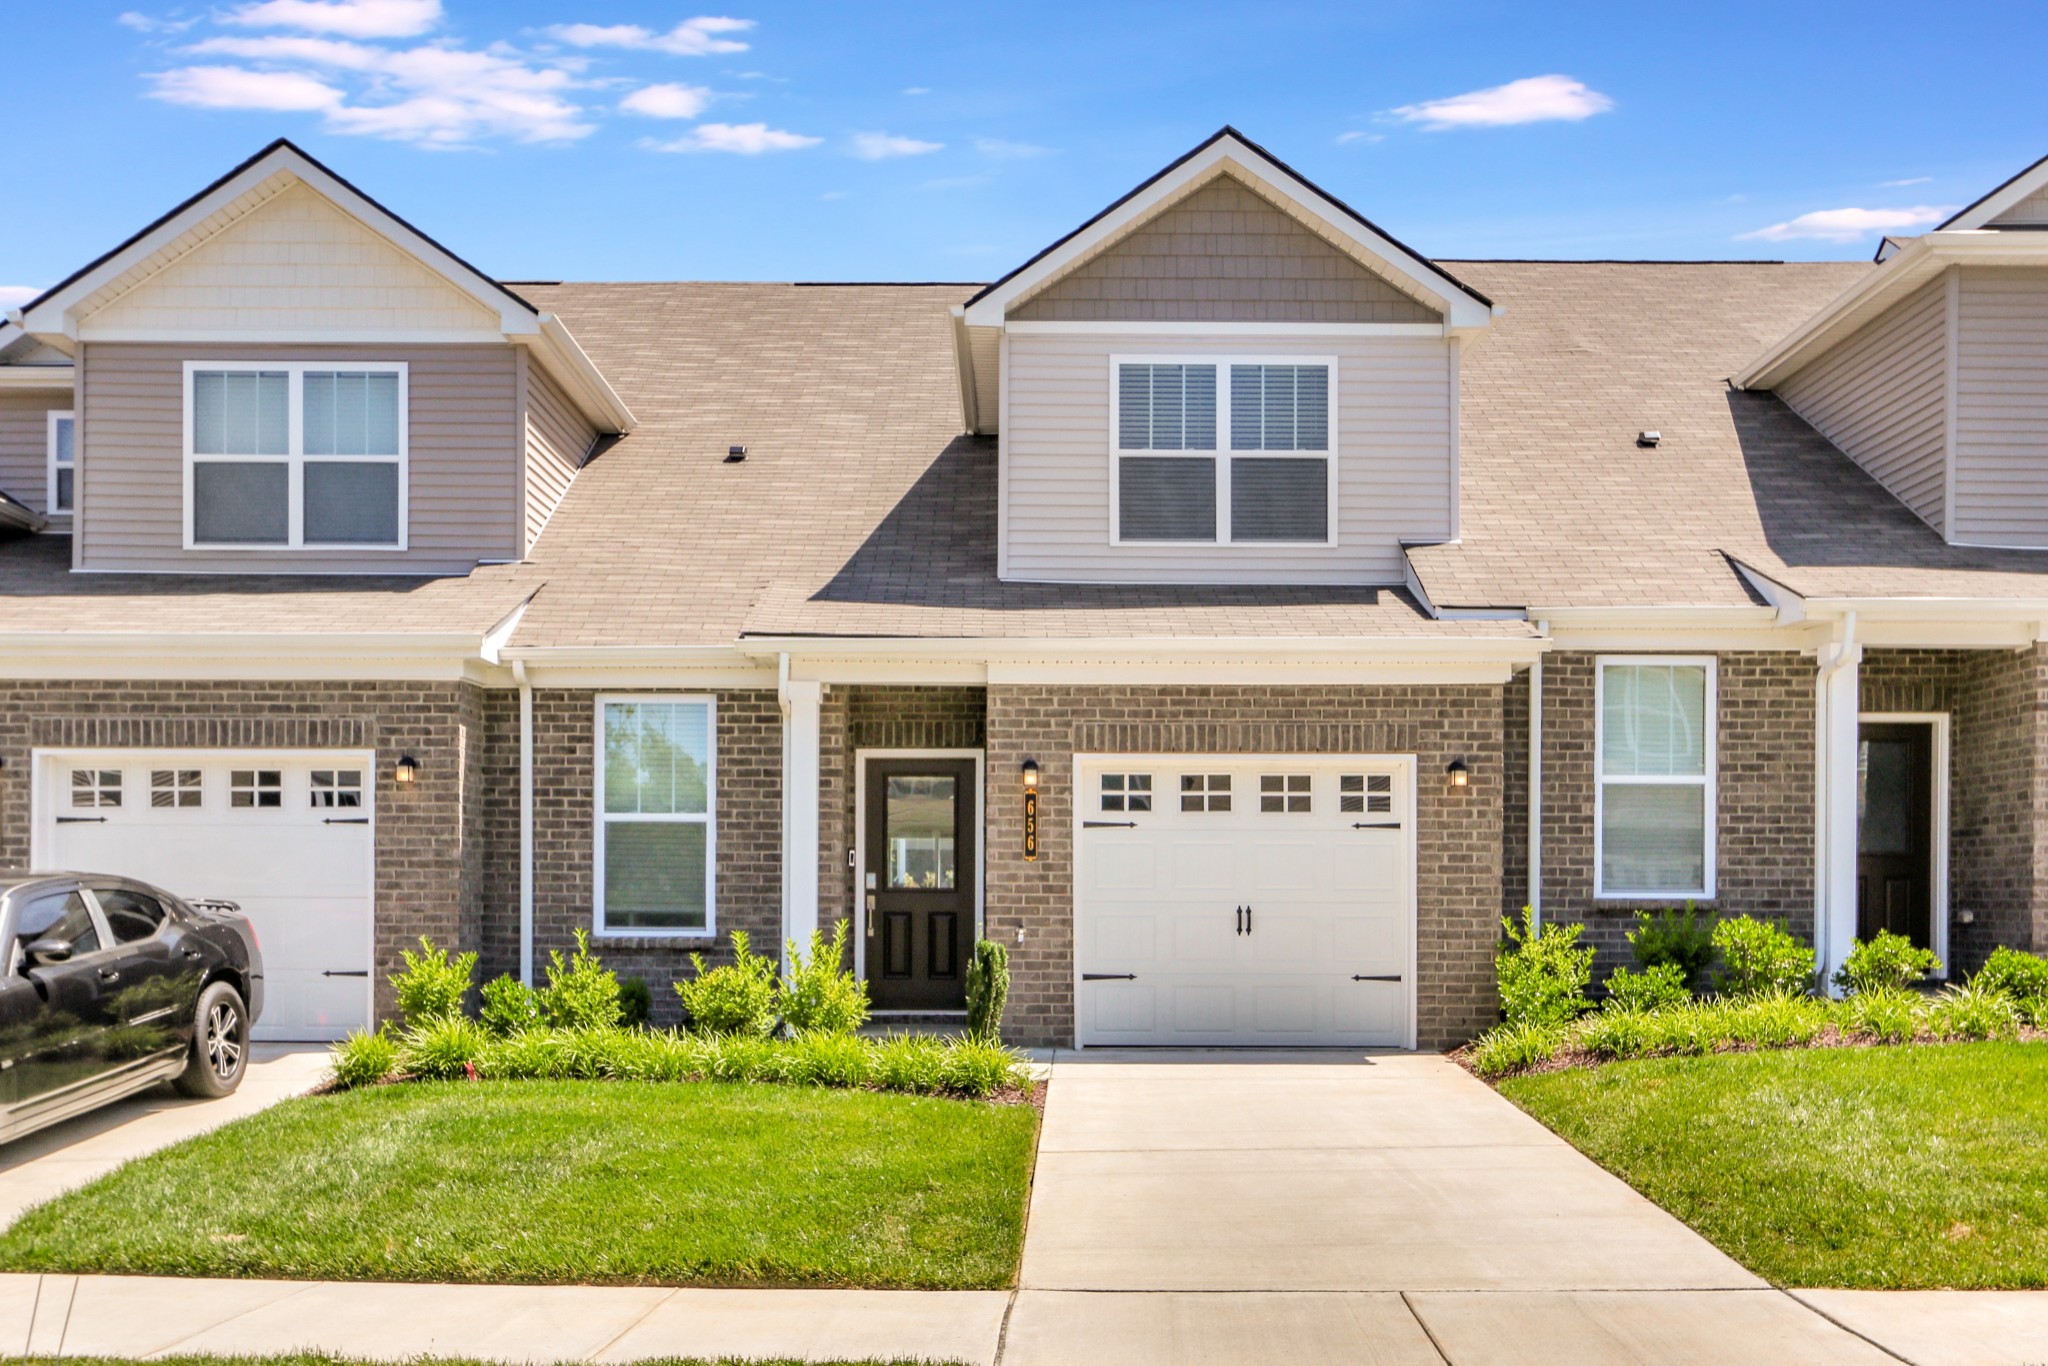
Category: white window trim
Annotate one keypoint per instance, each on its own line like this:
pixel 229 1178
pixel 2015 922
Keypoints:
pixel 1710 780
pixel 1223 455
pixel 1938 723
pixel 708 819
pixel 50 449
pixel 295 457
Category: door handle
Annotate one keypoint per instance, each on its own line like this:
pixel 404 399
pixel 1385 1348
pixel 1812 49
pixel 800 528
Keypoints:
pixel 1240 920
pixel 110 974
pixel 1247 920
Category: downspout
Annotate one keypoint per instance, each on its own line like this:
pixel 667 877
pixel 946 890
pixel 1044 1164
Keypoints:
pixel 1536 783
pixel 1836 657
pixel 525 822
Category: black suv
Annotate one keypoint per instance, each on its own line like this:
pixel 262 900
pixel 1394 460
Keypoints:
pixel 112 985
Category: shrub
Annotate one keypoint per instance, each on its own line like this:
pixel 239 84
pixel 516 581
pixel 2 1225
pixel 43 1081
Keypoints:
pixel 1695 1029
pixel 738 998
pixel 1885 1014
pixel 2021 976
pixel 364 1059
pixel 1972 1012
pixel 1621 1033
pixel 1778 1019
pixel 1656 987
pixel 433 984
pixel 988 988
pixel 1758 957
pixel 510 1006
pixel 1542 972
pixel 1684 939
pixel 821 996
pixel 828 1058
pixel 581 993
pixel 981 1067
pixel 911 1062
pixel 444 1048
pixel 1888 960
pixel 636 1002
pixel 1515 1047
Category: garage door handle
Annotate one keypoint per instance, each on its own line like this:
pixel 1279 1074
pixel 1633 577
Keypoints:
pixel 359 972
pixel 346 820
pixel 1087 825
pixel 1109 976
pixel 81 820
pixel 1375 976
pixel 1375 825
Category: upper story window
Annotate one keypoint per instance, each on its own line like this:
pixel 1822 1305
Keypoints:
pixel 63 460
pixel 1268 480
pixel 295 456
pixel 1654 823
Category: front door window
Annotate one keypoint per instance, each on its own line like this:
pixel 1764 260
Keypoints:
pixel 922 818
pixel 920 867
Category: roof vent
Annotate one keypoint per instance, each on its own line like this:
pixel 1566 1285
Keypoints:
pixel 735 454
pixel 1648 438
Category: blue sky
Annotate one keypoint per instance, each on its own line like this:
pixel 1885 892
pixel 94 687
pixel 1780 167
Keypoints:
pixel 618 139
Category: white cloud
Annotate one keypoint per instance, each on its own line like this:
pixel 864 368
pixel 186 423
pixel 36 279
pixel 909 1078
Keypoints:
pixel 1848 225
pixel 1001 149
pixel 235 87
pixel 1359 135
pixel 14 296
pixel 883 146
pixel 669 101
pixel 746 139
pixel 350 18
pixel 917 90
pixel 1535 99
pixel 149 23
pixel 1902 184
pixel 691 38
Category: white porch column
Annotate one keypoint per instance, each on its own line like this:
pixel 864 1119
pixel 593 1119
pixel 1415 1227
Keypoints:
pixel 801 704
pixel 1839 702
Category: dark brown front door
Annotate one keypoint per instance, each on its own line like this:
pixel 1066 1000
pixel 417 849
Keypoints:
pixel 1895 831
pixel 920 869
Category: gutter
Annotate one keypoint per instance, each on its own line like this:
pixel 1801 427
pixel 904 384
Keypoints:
pixel 525 822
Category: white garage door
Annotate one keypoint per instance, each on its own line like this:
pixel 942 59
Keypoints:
pixel 1259 901
pixel 285 835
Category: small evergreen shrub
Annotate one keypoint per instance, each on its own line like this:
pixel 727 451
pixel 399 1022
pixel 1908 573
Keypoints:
pixel 1882 1014
pixel 737 998
pixel 1542 971
pixel 988 989
pixel 1656 987
pixel 821 995
pixel 1888 960
pixel 581 993
pixel 1758 958
pixel 1972 1012
pixel 1515 1047
pixel 432 985
pixel 2021 977
pixel 1684 939
pixel 510 1007
pixel 364 1059
pixel 636 1002
pixel 443 1049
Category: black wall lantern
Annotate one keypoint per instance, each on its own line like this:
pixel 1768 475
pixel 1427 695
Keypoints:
pixel 1460 775
pixel 1030 772
pixel 407 772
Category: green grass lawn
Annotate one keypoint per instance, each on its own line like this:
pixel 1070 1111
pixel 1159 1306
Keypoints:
pixel 1896 1168
pixel 591 1182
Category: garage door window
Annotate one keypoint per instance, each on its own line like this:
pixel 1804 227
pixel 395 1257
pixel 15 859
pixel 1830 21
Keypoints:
pixel 259 788
pixel 1126 792
pixel 1284 793
pixel 337 788
pixel 655 803
pixel 95 787
pixel 1655 823
pixel 1362 793
pixel 174 787
pixel 1205 791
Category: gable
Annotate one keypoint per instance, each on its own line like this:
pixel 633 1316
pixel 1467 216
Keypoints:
pixel 282 258
pixel 2031 212
pixel 1222 252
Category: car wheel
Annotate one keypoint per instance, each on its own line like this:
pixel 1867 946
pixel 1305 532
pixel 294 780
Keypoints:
pixel 220 1043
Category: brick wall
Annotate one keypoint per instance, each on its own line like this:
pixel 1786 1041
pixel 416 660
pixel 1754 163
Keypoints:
pixel 1458 832
pixel 1764 846
pixel 432 852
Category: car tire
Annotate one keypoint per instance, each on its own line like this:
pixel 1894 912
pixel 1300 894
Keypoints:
pixel 220 1044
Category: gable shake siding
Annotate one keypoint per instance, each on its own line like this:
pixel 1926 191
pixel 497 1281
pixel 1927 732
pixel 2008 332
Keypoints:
pixel 2031 212
pixel 1222 253
pixel 1883 398
pixel 2001 394
pixel 464 437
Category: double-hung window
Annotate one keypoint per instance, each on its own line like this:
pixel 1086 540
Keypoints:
pixel 1224 450
pixel 63 443
pixel 1654 825
pixel 656 872
pixel 295 456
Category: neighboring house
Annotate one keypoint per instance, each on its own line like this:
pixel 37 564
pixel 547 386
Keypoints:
pixel 1324 601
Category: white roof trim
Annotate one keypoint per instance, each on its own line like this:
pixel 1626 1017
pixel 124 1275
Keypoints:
pixel 1980 214
pixel 556 348
pixel 1230 153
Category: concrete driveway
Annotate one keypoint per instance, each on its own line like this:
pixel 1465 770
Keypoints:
pixel 1277 1208
pixel 54 1160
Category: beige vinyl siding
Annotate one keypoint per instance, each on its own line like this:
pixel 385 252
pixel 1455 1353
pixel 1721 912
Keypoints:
pixel 1394 411
pixel 557 439
pixel 464 441
pixel 2001 457
pixel 2030 212
pixel 1221 253
pixel 25 447
pixel 1882 398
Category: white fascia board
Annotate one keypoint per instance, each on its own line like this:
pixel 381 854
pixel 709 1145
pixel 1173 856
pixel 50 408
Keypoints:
pixel 297 336
pixel 1981 213
pixel 1917 262
pixel 54 315
pixel 1199 328
pixel 557 349
pixel 363 656
pixel 51 377
pixel 1461 310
